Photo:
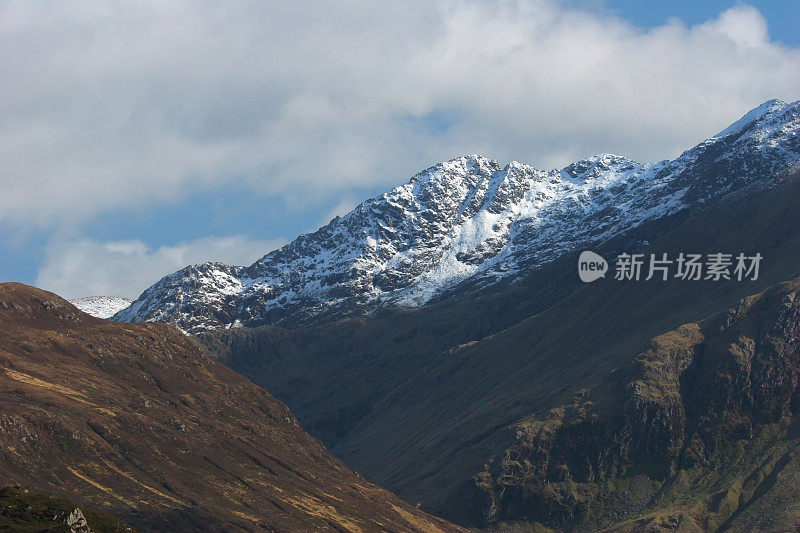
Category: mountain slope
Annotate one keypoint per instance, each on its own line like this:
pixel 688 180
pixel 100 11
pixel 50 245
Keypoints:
pixel 136 420
pixel 101 306
pixel 700 431
pixel 465 223
pixel 22 511
pixel 447 385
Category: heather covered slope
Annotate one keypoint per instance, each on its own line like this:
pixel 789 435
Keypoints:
pixel 448 385
pixel 135 420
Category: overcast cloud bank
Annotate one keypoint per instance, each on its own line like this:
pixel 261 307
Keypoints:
pixel 117 105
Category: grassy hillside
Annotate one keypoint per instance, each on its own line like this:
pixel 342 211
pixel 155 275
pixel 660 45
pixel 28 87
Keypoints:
pixel 23 511
pixel 134 420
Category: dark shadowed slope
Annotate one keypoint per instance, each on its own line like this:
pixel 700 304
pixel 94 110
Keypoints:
pixel 447 386
pixel 137 421
pixel 698 432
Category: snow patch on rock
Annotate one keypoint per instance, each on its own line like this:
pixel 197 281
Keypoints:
pixel 101 306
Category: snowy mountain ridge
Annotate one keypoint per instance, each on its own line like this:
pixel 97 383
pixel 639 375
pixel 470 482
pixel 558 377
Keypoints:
pixel 101 306
pixel 468 219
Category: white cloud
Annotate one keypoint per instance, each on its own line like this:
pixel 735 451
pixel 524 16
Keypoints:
pixel 344 206
pixel 80 267
pixel 109 105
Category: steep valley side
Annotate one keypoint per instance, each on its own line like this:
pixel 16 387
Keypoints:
pixel 452 385
pixel 136 421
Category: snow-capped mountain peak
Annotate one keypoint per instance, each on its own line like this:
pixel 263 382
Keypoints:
pixel 770 106
pixel 599 166
pixel 101 306
pixel 468 219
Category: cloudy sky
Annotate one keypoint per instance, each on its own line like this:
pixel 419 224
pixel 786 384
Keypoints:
pixel 138 137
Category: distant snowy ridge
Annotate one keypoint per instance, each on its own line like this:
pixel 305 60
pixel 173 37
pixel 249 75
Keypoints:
pixel 101 306
pixel 468 219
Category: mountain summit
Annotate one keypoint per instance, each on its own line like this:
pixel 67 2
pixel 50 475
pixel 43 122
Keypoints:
pixel 468 222
pixel 101 306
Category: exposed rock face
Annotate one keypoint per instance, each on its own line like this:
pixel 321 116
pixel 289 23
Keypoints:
pixel 136 419
pixel 468 222
pixel 701 429
pixel 22 510
pixel 77 522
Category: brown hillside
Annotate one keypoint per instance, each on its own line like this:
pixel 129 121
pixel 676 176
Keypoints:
pixel 136 421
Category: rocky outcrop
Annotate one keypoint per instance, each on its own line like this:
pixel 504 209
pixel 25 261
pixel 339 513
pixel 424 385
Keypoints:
pixel 77 522
pixel 690 432
pixel 27 511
